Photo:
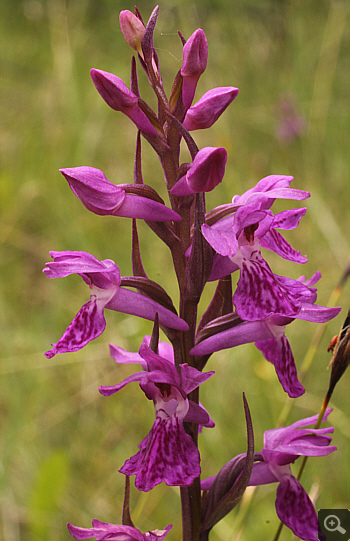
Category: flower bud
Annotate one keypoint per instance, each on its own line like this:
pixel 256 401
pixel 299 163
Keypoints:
pixel 195 56
pixel 209 108
pixel 102 197
pixel 206 172
pixel 117 95
pixel 132 29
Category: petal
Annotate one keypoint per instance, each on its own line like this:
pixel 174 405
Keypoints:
pixel 157 363
pixel 310 445
pixel 288 219
pixel 206 172
pixel 143 208
pixel 261 475
pixel 122 356
pixel 191 378
pixel 244 333
pixel 157 535
pixel 222 266
pixel 103 274
pixel 270 188
pixel 319 314
pixel 88 324
pixel 167 454
pixel 195 56
pixel 259 294
pixel 274 241
pixel 130 302
pixel 132 29
pixel 93 189
pixel 206 483
pixel 279 353
pixel 199 415
pixel 224 243
pixel 103 531
pixel 209 108
pixel 274 437
pixel 117 95
pixel 294 508
pixel 108 390
pixel 81 533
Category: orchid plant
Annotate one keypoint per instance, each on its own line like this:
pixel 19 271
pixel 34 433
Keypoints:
pixel 204 246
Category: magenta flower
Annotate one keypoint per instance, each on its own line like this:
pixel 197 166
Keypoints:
pixel 117 95
pixel 102 197
pixel 103 278
pixel 269 336
pixel 209 108
pixel 167 453
pixel 195 57
pixel 282 446
pixel 205 173
pixel 238 240
pixel 103 531
pixel 165 350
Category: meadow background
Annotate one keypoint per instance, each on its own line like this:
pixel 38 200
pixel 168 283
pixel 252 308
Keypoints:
pixel 62 443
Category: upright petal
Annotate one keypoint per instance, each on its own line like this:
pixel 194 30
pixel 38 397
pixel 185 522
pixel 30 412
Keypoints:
pixel 274 241
pixel 268 189
pixel 103 274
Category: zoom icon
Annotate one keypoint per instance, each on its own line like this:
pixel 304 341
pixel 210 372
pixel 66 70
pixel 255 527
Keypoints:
pixel 334 524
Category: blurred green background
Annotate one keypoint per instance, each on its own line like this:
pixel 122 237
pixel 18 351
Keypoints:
pixel 62 443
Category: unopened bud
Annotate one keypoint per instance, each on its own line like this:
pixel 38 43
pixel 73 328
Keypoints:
pixel 205 173
pixel 117 95
pixel 209 108
pixel 132 29
pixel 195 57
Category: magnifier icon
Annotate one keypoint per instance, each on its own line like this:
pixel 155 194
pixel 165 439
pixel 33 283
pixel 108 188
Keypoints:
pixel 332 524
